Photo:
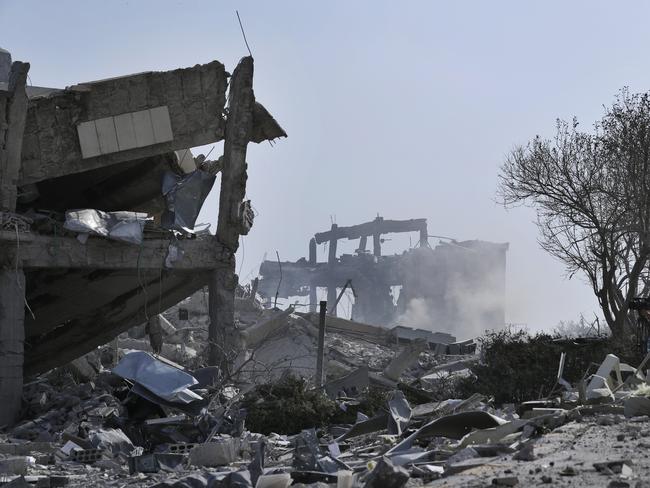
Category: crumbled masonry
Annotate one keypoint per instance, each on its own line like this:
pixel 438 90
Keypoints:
pixel 147 420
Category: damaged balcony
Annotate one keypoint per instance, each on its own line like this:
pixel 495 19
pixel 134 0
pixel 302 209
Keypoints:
pixel 115 149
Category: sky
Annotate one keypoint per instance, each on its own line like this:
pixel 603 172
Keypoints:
pixel 402 109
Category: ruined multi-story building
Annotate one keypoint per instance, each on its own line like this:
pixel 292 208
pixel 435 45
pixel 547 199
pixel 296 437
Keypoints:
pixel 450 287
pixel 113 146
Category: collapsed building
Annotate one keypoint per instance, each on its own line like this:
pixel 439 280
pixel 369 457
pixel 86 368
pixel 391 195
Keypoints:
pixel 454 286
pixel 98 199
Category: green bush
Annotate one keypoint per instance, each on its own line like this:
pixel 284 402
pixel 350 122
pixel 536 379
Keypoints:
pixel 291 405
pixel 286 407
pixel 516 366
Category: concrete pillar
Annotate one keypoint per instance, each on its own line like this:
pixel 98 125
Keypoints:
pixel 376 238
pixel 331 261
pixel 231 224
pixel 363 243
pixel 221 309
pixel 312 251
pixel 331 298
pixel 405 359
pixel 331 257
pixel 5 65
pixel 313 298
pixel 376 245
pixel 12 338
pixel 424 236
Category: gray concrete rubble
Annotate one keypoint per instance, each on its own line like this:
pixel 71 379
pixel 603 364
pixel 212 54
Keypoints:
pixel 142 419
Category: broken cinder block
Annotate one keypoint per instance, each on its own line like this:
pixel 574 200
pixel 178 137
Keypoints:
pixel 218 453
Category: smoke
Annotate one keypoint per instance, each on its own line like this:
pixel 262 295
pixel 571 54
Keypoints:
pixel 418 314
pixel 458 289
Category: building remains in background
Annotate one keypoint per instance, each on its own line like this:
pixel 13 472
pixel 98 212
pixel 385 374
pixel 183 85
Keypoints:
pixel 456 286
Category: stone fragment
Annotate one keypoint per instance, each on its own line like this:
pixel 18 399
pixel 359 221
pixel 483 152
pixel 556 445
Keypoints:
pixel 569 471
pixel 219 453
pixel 506 481
pixel 387 475
pixel 526 453
pixel 16 464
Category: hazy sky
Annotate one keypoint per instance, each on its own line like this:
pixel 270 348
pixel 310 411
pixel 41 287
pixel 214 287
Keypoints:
pixel 405 109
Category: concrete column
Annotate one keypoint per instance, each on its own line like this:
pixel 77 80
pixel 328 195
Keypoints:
pixel 12 338
pixel 313 297
pixel 221 308
pixel 331 261
pixel 331 298
pixel 5 65
pixel 363 243
pixel 331 256
pixel 424 236
pixel 376 237
pixel 312 251
pixel 232 222
pixel 376 245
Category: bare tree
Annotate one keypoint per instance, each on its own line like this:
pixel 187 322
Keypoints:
pixel 591 192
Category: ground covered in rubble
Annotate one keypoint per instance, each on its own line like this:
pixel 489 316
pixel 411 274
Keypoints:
pixel 585 446
pixel 390 414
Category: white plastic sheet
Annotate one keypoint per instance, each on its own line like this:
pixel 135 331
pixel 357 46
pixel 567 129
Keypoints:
pixel 120 226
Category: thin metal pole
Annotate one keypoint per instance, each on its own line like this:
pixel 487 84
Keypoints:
pixel 320 379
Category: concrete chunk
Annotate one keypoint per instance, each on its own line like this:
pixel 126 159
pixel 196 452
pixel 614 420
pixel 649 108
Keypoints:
pixel 212 454
pixel 387 475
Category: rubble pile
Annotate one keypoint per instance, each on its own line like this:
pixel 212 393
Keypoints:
pixel 122 416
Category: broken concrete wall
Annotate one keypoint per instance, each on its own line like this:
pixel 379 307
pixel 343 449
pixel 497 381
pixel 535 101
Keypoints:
pixel 5 65
pixel 194 99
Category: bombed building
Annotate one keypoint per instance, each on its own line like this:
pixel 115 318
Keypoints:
pixel 98 205
pixel 455 286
